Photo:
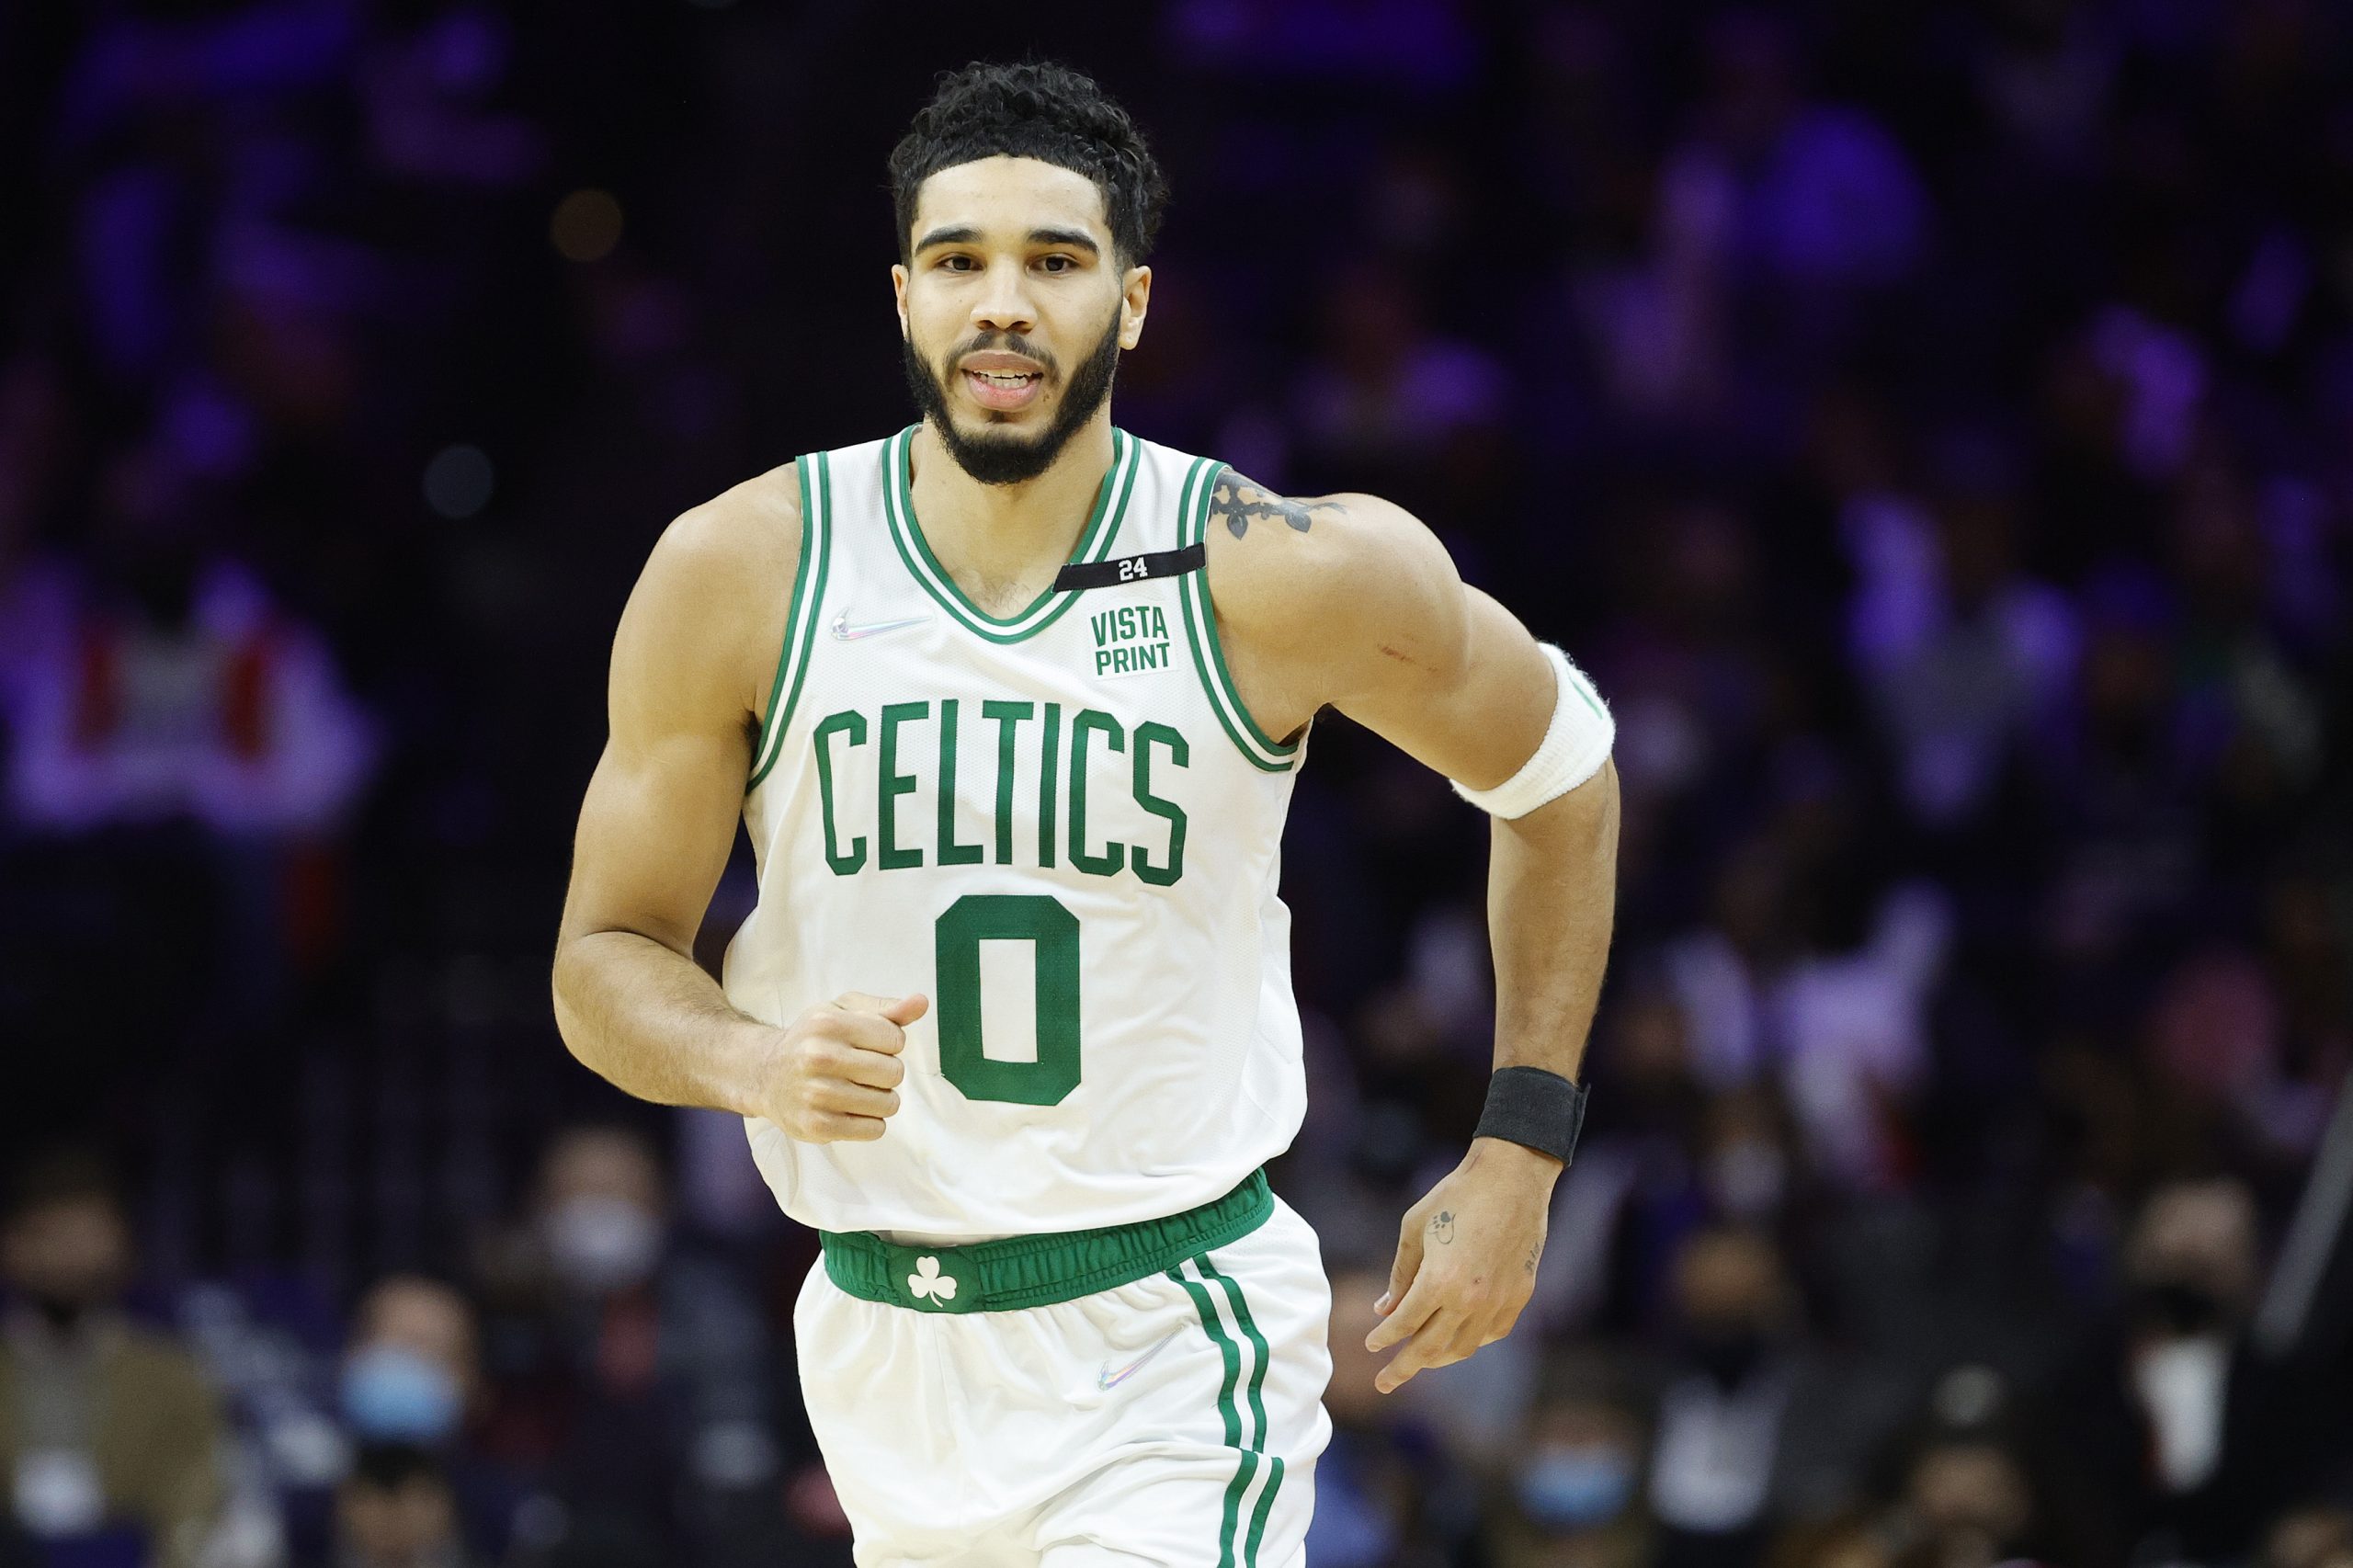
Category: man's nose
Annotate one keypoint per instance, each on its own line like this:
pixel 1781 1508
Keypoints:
pixel 1004 304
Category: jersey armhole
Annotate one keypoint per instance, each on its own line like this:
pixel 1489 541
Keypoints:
pixel 801 617
pixel 1201 625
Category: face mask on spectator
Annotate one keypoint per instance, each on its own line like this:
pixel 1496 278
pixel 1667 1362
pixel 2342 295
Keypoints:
pixel 601 1245
pixel 1726 1352
pixel 63 1310
pixel 1565 1488
pixel 391 1394
pixel 2179 1309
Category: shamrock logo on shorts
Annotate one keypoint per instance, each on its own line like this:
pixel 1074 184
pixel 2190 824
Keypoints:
pixel 927 1282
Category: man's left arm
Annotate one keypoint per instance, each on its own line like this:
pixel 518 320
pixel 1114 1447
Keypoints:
pixel 1467 1252
pixel 1441 670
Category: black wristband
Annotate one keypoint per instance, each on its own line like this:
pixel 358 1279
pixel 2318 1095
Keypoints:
pixel 1540 1111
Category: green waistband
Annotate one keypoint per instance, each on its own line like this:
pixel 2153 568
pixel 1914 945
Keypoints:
pixel 1037 1271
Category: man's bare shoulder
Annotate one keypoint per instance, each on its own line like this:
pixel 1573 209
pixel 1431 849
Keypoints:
pixel 739 536
pixel 1291 571
pixel 709 607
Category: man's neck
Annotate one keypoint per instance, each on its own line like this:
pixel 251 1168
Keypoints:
pixel 1000 536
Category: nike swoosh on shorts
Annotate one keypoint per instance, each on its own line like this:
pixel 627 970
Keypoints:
pixel 1108 1380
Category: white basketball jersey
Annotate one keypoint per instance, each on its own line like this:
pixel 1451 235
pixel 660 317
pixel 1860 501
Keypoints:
pixel 1063 828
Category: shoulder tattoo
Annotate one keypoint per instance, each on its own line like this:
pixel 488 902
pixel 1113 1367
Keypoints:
pixel 1238 501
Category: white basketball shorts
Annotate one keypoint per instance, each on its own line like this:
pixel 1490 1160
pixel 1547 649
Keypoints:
pixel 1174 1419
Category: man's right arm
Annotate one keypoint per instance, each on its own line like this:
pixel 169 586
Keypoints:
pixel 704 623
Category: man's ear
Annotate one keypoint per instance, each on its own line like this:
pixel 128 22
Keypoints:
pixel 1135 301
pixel 899 296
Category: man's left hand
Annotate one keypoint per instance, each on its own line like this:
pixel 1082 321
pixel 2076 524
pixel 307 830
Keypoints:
pixel 1466 1259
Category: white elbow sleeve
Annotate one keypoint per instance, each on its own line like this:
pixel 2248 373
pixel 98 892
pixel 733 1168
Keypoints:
pixel 1574 748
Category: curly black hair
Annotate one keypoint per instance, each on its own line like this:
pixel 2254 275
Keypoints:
pixel 1035 109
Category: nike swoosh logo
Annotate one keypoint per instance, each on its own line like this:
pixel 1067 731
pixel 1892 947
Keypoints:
pixel 845 633
pixel 1108 1380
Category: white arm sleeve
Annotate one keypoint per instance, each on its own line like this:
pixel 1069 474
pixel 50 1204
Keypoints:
pixel 1573 751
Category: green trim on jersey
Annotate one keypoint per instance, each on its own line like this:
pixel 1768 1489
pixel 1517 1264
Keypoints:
pixel 1094 541
pixel 1200 622
pixel 800 619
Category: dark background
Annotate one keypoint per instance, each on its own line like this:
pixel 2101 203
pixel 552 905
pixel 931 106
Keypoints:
pixel 1929 423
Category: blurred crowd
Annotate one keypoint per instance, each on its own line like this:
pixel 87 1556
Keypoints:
pixel 1931 425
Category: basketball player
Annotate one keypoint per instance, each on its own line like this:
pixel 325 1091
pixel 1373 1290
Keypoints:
pixel 1012 702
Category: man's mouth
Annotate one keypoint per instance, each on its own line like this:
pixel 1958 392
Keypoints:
pixel 1003 389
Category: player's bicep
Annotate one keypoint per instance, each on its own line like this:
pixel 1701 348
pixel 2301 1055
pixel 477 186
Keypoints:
pixel 1483 718
pixel 1438 668
pixel 655 829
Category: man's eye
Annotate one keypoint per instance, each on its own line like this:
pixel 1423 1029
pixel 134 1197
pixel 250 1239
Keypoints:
pixel 1057 263
pixel 956 263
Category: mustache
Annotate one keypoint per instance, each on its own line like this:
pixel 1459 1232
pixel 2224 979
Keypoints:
pixel 998 343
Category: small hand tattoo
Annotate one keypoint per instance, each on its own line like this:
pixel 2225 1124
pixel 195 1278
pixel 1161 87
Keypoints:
pixel 1442 1227
pixel 1530 1264
pixel 1241 503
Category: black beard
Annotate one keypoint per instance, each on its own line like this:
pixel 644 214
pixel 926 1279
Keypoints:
pixel 1007 458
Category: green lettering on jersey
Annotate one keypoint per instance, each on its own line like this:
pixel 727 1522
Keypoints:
pixel 1180 756
pixel 1130 640
pixel 1092 735
pixel 1114 854
pixel 1053 932
pixel 1047 774
pixel 950 852
pixel 1007 715
pixel 852 724
pixel 892 784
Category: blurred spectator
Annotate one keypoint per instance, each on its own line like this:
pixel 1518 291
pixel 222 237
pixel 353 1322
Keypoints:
pixel 1732 1457
pixel 2317 1535
pixel 1726 1399
pixel 411 1370
pixel 1657 323
pixel 1392 403
pixel 2192 1258
pixel 105 1427
pixel 1574 1494
pixel 1635 1190
pixel 412 1378
pixel 396 1510
pixel 1843 1031
pixel 2198 1435
pixel 1970 1503
pixel 179 689
pixel 629 1366
pixel 1967 658
pixel 1824 197
pixel 183 760
pixel 1978 1483
pixel 1385 1492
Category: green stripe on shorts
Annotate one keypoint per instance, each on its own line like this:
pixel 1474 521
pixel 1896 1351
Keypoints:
pixel 1246 1466
pixel 1257 1343
pixel 1232 1354
pixel 1266 1505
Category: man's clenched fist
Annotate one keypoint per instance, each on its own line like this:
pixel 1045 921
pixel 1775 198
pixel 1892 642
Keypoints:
pixel 837 1075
